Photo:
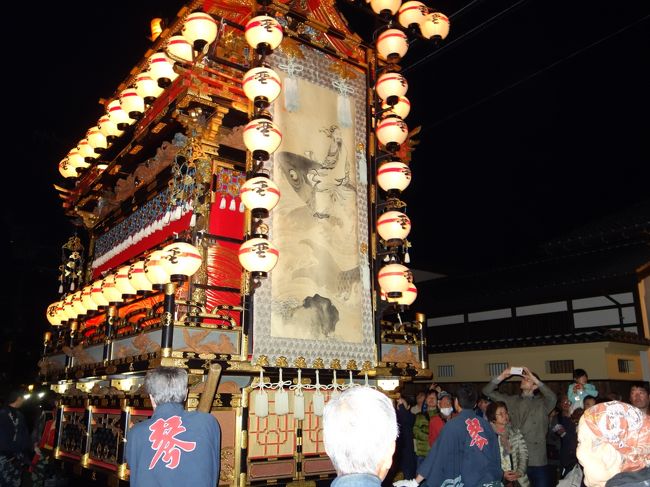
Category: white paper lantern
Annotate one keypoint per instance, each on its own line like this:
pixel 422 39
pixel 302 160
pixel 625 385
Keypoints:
pixel 138 278
pixel 394 279
pixel 435 26
pixel 76 160
pixel 401 107
pixel 391 132
pixel 393 227
pixel 262 137
pixel 178 47
pixel 97 139
pixel 260 195
pixel 87 300
pixel 110 291
pixel 392 45
pixel 263 33
pixel 258 256
pixel 407 298
pixel 109 128
pixel 122 282
pixel 161 69
pixel 53 314
pixel 132 103
pixel 181 260
pixel 393 176
pixel 154 269
pixel 386 8
pixel 391 84
pixel 147 87
pixel 77 304
pixel 68 310
pixel 86 150
pixel 97 295
pixel 412 13
pixel 67 170
pixel 199 29
pixel 118 116
pixel 262 86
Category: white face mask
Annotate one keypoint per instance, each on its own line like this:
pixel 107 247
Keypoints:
pixel 447 411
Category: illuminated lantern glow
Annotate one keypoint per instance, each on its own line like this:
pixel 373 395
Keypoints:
pixel 258 256
pixel 161 69
pixel 109 128
pixel 122 282
pixel 391 84
pixel 66 170
pixel 391 132
pixel 53 315
pixel 435 26
pixel 262 137
pixel 393 227
pixel 147 87
pixel 110 291
pixel 392 45
pixel 97 140
pixel 86 150
pixel 401 107
pixel 87 299
pixel 260 195
pixel 179 48
pixel 181 260
pixel 76 160
pixel 138 278
pixel 393 176
pixel 385 8
pixel 394 279
pixel 97 295
pixel 412 14
pixel 263 33
pixel 199 30
pixel 132 103
pixel 154 269
pixel 118 116
pixel 68 309
pixel 77 304
pixel 262 86
pixel 407 298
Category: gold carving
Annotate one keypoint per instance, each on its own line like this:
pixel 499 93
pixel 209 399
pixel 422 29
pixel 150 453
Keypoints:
pixel 244 439
pixel 335 364
pixel 366 366
pixel 352 365
pixel 319 363
pixel 300 362
pixel 281 361
pixel 243 366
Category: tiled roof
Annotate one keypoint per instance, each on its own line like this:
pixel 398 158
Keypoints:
pixel 536 341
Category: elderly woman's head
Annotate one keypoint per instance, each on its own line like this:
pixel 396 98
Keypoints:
pixel 613 437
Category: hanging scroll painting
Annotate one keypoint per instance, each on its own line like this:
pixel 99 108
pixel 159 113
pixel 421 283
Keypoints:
pixel 316 302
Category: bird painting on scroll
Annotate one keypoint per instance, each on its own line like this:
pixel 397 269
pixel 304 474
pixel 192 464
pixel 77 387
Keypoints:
pixel 319 289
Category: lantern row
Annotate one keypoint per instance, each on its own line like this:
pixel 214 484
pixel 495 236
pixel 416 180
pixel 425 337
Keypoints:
pixel 174 263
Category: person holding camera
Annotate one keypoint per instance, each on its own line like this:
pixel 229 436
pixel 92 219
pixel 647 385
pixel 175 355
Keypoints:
pixel 529 414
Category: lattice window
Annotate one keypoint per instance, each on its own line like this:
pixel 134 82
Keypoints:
pixel 446 370
pixel 495 368
pixel 625 366
pixel 559 366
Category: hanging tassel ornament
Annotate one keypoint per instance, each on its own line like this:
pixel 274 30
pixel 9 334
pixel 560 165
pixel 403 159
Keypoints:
pixel 343 107
pixel 281 398
pixel 232 205
pixel 222 203
pixel 318 401
pixel 290 84
pixel 335 387
pixel 298 399
pixel 261 399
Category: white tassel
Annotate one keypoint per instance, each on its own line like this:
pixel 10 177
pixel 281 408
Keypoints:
pixel 261 404
pixel 232 205
pixel 291 96
pixel 299 405
pixel 407 258
pixel 343 111
pixel 241 207
pixel 222 203
pixel 193 220
pixel 318 401
pixel 72 286
pixel 281 398
pixel 60 288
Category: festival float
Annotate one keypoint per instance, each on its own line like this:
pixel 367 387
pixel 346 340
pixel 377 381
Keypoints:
pixel 242 209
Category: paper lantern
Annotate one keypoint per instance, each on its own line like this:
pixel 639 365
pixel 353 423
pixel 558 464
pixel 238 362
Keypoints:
pixel 394 279
pixel 179 48
pixel 138 278
pixel 392 45
pixel 393 176
pixel 97 295
pixel 68 310
pixel 401 107
pixel 407 298
pixel 67 170
pixel 258 256
pixel 262 86
pixel 97 139
pixel 260 195
pixel 391 84
pixel 109 128
pixel 132 103
pixel 162 69
pixel 77 304
pixel 385 8
pixel 122 283
pixel 435 26
pixel 263 33
pixel 110 291
pixel 181 260
pixel 86 150
pixel 393 227
pixel 118 116
pixel 391 132
pixel 87 299
pixel 412 14
pixel 53 314
pixel 154 269
pixel 76 160
pixel 199 29
pixel 147 87
pixel 262 137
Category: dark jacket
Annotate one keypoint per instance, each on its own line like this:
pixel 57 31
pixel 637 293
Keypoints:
pixel 174 448
pixel 404 447
pixel 466 452
pixel 640 478
pixel 15 441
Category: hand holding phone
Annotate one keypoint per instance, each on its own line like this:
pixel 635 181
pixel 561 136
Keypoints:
pixel 516 370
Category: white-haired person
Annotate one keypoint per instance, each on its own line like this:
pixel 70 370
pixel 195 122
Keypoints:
pixel 174 447
pixel 614 445
pixel 359 432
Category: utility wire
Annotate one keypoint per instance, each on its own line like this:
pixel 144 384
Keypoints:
pixel 466 35
pixel 536 73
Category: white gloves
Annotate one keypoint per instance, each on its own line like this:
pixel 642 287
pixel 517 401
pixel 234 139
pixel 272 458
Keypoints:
pixel 406 483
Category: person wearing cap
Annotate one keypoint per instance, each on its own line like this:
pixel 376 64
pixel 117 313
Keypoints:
pixel 614 445
pixel 529 414
pixel 446 406
pixel 15 442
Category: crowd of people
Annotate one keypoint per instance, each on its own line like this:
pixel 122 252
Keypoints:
pixel 437 440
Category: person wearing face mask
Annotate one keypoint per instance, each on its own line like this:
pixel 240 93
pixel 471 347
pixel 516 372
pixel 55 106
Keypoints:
pixel 445 405
pixel 529 414
pixel 427 426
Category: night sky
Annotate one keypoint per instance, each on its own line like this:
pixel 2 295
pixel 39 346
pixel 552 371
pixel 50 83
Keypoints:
pixel 534 121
